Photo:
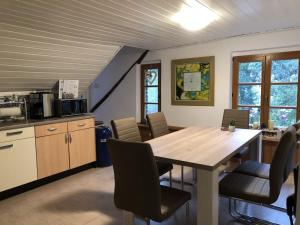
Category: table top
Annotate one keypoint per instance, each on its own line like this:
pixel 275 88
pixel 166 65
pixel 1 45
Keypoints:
pixel 201 147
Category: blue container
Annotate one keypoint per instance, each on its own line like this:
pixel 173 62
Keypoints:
pixel 103 133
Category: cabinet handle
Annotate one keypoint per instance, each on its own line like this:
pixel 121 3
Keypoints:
pixel 70 138
pixel 52 129
pixel 66 138
pixel 81 124
pixel 6 147
pixel 14 133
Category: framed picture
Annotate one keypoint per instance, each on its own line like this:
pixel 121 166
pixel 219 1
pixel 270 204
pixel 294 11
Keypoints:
pixel 193 81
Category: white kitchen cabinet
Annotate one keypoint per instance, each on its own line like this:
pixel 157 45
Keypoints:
pixel 17 159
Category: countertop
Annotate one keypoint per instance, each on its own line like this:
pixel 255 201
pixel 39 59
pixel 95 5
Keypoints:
pixel 37 122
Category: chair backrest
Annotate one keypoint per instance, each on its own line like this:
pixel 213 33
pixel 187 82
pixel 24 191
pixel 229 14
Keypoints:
pixel 158 124
pixel 281 165
pixel 126 129
pixel 137 187
pixel 240 116
pixel 297 125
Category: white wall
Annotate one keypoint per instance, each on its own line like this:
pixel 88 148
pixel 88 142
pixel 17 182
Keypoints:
pixel 223 51
pixel 122 102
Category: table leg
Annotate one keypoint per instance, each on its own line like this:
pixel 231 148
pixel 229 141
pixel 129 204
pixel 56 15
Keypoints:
pixel 256 149
pixel 298 200
pixel 128 218
pixel 208 197
pixel 259 148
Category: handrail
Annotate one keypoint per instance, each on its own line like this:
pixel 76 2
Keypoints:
pixel 106 96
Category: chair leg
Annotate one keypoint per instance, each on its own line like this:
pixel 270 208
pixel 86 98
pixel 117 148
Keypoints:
pixel 229 207
pixel 147 221
pixel 245 218
pixel 235 207
pixel 187 212
pixel 231 211
pixel 170 178
pixel 195 175
pixel 291 219
pixel 240 160
pixel 182 178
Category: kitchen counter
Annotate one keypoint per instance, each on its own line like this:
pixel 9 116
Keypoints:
pixel 37 122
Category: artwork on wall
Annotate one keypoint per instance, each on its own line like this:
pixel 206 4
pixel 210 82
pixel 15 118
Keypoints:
pixel 193 81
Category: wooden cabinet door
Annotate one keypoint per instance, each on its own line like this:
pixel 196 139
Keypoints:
pixel 52 154
pixel 269 149
pixel 82 147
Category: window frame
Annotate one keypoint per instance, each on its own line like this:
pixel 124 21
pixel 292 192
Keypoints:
pixel 266 60
pixel 143 88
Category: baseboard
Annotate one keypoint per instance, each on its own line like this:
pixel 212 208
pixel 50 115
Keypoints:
pixel 29 186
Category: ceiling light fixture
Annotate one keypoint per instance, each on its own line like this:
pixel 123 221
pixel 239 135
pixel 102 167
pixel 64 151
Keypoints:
pixel 194 16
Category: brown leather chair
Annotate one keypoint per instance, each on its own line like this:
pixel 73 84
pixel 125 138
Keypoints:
pixel 291 201
pixel 241 118
pixel 243 187
pixel 158 124
pixel 254 168
pixel 127 130
pixel 137 187
pixel 159 127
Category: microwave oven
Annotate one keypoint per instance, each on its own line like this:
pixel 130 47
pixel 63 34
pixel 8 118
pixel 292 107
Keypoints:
pixel 70 107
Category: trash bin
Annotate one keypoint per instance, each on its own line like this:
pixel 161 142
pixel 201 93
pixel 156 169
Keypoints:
pixel 102 134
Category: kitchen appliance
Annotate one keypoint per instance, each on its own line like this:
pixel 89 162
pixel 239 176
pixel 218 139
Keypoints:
pixel 70 107
pixel 66 89
pixel 13 108
pixel 41 105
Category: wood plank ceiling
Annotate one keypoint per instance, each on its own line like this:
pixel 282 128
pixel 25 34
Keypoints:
pixel 45 40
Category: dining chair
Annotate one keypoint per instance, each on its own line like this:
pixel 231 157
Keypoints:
pixel 158 127
pixel 126 129
pixel 257 190
pixel 157 124
pixel 291 201
pixel 137 186
pixel 241 118
pixel 255 168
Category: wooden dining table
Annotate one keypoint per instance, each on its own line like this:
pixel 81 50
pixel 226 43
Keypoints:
pixel 206 149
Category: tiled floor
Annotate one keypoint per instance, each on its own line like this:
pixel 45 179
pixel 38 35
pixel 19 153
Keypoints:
pixel 87 199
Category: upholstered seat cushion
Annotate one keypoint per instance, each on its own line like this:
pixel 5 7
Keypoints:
pixel 171 200
pixel 163 167
pixel 254 168
pixel 246 187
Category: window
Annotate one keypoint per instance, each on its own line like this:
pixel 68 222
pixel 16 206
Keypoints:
pixel 268 86
pixel 150 89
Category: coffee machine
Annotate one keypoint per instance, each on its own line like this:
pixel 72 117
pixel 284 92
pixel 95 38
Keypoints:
pixel 41 105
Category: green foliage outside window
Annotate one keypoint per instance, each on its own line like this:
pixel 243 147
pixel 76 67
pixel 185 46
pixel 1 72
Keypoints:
pixel 282 93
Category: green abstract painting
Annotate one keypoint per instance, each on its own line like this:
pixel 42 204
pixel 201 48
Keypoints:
pixel 193 81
